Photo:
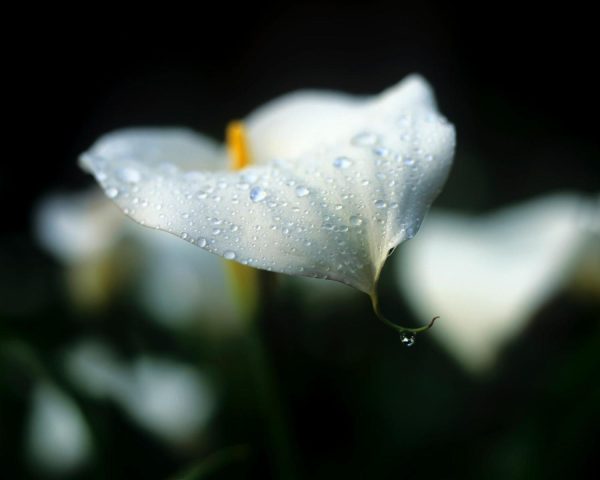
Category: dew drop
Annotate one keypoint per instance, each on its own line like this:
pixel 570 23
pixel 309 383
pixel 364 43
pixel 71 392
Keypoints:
pixel 364 139
pixel 129 175
pixel 302 191
pixel 229 254
pixel 257 194
pixel 407 339
pixel 111 192
pixel 184 235
pixel 380 204
pixel 342 162
pixel 201 242
pixel 381 151
pixel 356 220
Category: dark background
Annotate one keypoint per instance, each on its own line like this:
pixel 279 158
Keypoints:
pixel 520 84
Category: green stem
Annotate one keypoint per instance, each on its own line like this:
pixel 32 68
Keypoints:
pixel 404 331
pixel 280 447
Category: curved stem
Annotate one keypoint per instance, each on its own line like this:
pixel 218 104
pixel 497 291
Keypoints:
pixel 400 329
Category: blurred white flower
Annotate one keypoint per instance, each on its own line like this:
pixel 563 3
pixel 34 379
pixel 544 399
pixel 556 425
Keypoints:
pixel 58 438
pixel 486 276
pixel 171 400
pixel 103 252
pixel 338 182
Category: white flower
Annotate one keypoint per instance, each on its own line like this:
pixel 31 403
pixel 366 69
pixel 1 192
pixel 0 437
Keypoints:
pixel 169 399
pixel 58 438
pixel 486 276
pixel 338 182
pixel 171 280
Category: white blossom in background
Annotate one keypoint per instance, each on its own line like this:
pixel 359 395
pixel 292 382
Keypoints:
pixel 486 276
pixel 171 400
pixel 104 254
pixel 58 438
pixel 338 181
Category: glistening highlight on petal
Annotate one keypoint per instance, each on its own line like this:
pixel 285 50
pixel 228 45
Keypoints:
pixel 332 206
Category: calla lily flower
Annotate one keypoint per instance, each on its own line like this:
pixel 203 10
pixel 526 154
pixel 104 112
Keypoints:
pixel 323 184
pixel 488 275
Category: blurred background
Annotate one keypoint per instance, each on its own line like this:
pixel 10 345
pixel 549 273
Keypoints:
pixel 122 354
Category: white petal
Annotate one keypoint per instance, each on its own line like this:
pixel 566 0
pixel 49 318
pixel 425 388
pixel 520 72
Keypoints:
pixel 95 369
pixel 486 276
pixel 178 146
pixel 77 227
pixel 58 438
pixel 285 126
pixel 333 210
pixel 172 400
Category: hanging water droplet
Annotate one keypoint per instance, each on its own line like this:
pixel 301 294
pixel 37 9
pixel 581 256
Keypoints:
pixel 342 162
pixel 407 339
pixel 229 254
pixel 302 191
pixel 111 192
pixel 257 194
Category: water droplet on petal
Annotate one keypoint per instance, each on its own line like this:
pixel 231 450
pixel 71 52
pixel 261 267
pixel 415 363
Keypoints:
pixel 302 191
pixel 111 192
pixel 381 151
pixel 356 220
pixel 202 242
pixel 129 175
pixel 380 204
pixel 257 194
pixel 229 254
pixel 364 139
pixel 342 162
